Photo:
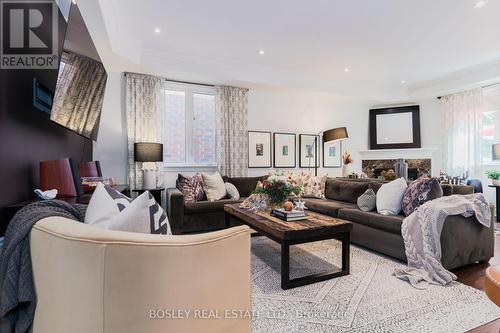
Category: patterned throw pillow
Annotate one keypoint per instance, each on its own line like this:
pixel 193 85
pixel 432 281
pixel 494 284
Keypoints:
pixel 191 187
pixel 232 192
pixel 419 191
pixel 367 201
pixel 312 186
pixel 109 209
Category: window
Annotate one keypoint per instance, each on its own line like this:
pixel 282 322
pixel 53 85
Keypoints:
pixel 491 121
pixel 189 125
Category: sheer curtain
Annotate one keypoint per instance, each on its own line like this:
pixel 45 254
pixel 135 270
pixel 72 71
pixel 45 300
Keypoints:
pixel 231 105
pixel 462 136
pixel 145 109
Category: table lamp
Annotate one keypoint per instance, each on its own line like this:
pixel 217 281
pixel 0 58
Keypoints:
pixel 148 153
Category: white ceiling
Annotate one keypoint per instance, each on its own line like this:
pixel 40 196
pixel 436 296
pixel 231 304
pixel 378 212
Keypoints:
pixel 307 44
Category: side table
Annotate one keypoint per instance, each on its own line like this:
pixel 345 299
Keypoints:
pixel 497 203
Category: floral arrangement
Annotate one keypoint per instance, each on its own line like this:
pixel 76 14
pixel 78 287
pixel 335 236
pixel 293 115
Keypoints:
pixel 347 158
pixel 278 188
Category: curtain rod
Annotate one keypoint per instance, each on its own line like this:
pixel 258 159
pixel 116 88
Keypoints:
pixel 185 82
pixel 486 86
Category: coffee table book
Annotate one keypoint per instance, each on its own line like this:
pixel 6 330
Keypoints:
pixel 294 215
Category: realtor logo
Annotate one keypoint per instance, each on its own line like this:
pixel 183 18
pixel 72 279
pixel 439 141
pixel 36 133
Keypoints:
pixel 28 34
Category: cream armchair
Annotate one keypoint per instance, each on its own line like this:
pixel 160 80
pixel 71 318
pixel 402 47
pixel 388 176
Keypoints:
pixel 90 280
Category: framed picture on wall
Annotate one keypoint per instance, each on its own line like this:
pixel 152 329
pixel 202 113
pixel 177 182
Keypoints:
pixel 284 150
pixel 308 150
pixel 332 154
pixel 395 128
pixel 259 149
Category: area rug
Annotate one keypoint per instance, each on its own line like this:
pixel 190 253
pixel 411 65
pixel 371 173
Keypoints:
pixel 370 299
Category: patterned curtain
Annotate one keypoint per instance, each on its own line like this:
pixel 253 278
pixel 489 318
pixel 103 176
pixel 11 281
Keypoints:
pixel 80 93
pixel 232 126
pixel 463 133
pixel 145 109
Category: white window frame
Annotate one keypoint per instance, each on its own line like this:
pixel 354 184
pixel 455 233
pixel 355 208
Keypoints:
pixel 189 90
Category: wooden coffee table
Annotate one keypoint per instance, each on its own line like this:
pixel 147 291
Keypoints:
pixel 316 227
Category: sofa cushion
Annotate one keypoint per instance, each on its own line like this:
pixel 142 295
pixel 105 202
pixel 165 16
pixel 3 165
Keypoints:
pixel 390 223
pixel 420 191
pixel 143 214
pixel 214 187
pixel 367 201
pixel 327 207
pixel 390 197
pixel 191 187
pixel 344 190
pixel 201 207
pixel 312 186
pixel 245 185
pixel 232 192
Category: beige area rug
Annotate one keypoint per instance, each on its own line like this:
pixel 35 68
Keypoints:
pixel 370 299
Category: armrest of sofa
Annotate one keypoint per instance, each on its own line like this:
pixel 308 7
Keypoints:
pixel 175 209
pixel 125 282
pixel 464 240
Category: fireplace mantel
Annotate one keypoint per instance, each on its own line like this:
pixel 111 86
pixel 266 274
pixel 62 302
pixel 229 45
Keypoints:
pixel 382 154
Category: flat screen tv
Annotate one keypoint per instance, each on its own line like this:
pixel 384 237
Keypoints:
pixel 81 80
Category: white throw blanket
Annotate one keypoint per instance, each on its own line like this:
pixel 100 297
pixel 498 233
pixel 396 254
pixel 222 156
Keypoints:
pixel 421 232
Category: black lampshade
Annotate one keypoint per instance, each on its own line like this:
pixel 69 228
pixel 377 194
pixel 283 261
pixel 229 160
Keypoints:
pixel 495 151
pixel 148 152
pixel 334 134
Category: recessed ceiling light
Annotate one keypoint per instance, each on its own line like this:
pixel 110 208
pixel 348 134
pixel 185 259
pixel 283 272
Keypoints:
pixel 403 81
pixel 261 52
pixel 480 4
pixel 157 30
pixel 346 69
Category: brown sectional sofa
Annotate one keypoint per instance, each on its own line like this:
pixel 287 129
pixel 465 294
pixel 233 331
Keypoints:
pixel 463 240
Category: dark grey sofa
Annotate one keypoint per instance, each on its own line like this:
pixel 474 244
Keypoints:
pixel 203 216
pixel 463 240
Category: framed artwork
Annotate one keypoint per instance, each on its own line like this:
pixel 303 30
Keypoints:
pixel 259 149
pixel 284 147
pixel 308 150
pixel 332 154
pixel 395 128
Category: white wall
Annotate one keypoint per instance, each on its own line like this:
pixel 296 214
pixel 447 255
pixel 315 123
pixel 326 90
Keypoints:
pixel 270 109
pixel 111 146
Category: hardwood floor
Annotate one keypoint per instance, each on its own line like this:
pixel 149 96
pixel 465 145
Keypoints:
pixel 473 275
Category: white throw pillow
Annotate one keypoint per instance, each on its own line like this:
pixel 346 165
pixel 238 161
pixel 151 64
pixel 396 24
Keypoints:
pixel 109 209
pixel 390 197
pixel 214 187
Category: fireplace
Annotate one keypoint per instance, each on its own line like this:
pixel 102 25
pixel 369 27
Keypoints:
pixel 416 167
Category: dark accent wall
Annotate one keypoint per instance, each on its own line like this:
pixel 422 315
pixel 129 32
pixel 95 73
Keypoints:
pixel 28 136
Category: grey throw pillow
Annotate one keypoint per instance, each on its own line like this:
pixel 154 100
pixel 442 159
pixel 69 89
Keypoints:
pixel 367 201
pixel 232 192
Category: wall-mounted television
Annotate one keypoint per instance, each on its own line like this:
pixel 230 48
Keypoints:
pixel 81 80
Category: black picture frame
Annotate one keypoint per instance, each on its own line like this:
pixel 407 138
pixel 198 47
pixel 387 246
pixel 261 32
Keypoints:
pixel 415 116
pixel 294 150
pixel 316 154
pixel 323 156
pixel 269 165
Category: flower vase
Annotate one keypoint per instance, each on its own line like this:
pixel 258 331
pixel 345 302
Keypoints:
pixel 495 182
pixel 345 170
